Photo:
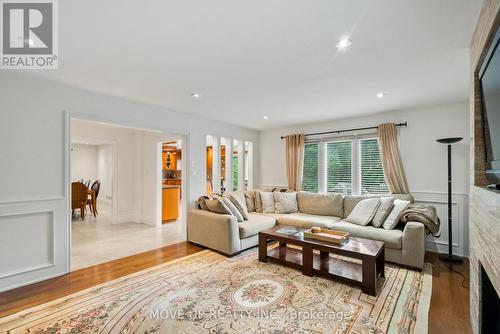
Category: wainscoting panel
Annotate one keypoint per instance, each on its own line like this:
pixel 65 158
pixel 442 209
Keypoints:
pixel 33 245
pixel 460 221
pixel 37 249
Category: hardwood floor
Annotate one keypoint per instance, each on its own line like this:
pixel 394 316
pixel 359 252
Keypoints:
pixel 449 310
pixel 35 294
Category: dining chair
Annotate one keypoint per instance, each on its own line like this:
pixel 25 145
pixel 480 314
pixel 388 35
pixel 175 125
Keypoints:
pixel 92 202
pixel 79 193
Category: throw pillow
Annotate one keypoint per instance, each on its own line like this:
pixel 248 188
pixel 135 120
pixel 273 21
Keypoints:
pixel 238 199
pixel 364 211
pixel 267 200
pixel 285 202
pixel 396 213
pixel 234 210
pixel 250 200
pixel 201 203
pixel 217 205
pixel 258 201
pixel 386 204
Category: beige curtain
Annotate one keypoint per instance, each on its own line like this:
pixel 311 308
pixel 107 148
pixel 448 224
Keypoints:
pixel 294 160
pixel 392 164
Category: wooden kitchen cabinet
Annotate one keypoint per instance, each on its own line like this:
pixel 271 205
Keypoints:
pixel 173 156
pixel 171 196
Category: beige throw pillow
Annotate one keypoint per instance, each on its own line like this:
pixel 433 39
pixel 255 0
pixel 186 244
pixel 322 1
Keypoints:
pixel 285 202
pixel 217 205
pixel 396 213
pixel 234 210
pixel 386 204
pixel 267 200
pixel 201 203
pixel 238 199
pixel 250 200
pixel 364 211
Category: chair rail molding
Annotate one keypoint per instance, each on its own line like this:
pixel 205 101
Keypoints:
pixel 460 220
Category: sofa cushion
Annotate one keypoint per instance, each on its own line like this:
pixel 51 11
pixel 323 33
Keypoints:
pixel 350 201
pixel 305 220
pixel 392 238
pixel 320 204
pixel 267 201
pixel 364 211
pixel 285 202
pixel 256 222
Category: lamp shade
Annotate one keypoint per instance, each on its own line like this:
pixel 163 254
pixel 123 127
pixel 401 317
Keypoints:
pixel 450 140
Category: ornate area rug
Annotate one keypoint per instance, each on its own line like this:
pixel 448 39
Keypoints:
pixel 208 293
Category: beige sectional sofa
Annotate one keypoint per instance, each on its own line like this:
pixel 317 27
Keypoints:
pixel 405 245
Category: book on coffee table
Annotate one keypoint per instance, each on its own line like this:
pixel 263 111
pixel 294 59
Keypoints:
pixel 287 231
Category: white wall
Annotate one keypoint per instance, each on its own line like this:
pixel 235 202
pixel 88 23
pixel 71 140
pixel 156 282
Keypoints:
pixel 105 171
pixel 424 159
pixel 84 162
pixel 34 128
pixel 127 143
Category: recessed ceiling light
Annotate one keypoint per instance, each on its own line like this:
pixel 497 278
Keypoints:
pixel 380 95
pixel 265 117
pixel 344 43
pixel 195 95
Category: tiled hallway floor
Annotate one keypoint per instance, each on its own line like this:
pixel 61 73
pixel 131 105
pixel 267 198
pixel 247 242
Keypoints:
pixel 96 240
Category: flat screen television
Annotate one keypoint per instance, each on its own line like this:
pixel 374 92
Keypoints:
pixel 489 77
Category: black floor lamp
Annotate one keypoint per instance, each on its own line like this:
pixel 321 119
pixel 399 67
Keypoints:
pixel 450 256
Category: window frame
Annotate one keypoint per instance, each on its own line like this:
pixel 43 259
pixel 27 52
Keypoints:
pixel 361 138
pixel 325 160
pixel 355 159
pixel 318 172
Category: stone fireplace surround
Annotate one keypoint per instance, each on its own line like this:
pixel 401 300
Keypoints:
pixel 484 203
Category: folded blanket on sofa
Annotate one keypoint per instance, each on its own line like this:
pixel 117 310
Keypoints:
pixel 424 214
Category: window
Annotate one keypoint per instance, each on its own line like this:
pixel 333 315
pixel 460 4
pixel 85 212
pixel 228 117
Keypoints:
pixel 347 166
pixel 235 170
pixel 371 172
pixel 248 165
pixel 339 167
pixel 310 171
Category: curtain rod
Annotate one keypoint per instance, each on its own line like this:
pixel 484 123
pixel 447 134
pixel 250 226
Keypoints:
pixel 405 124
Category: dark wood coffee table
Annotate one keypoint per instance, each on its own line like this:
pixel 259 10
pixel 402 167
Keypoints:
pixel 364 274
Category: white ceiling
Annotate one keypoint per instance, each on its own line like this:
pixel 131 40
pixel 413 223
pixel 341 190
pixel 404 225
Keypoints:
pixel 277 58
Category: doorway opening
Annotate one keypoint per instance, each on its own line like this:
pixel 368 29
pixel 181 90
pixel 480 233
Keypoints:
pixel 123 182
pixel 171 181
